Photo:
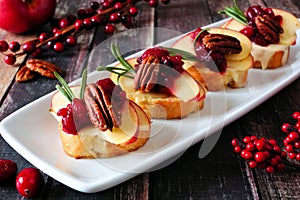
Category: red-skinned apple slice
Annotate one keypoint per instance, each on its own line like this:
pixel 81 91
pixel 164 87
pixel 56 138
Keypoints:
pixel 184 86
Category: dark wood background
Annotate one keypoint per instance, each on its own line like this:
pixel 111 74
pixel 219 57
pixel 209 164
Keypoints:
pixel 219 175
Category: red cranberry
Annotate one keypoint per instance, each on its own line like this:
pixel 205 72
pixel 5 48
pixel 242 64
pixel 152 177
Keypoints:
pixel 3 46
pixel 153 3
pixel 14 46
pixel 109 29
pixel 78 24
pixel 29 47
pixel 10 59
pixel 58 47
pixel 63 22
pixel 8 170
pixel 259 157
pixel 71 40
pixel 94 5
pixel 118 6
pixel 29 182
pixel 133 11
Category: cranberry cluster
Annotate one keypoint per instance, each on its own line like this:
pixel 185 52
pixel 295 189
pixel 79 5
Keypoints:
pixel 263 153
pixel 260 152
pixel 292 141
pixel 214 60
pixel 251 30
pixel 106 13
pixel 76 109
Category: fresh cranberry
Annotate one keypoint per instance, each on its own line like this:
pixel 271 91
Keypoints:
pixel 10 59
pixel 3 46
pixel 29 182
pixel 58 47
pixel 109 29
pixel 29 47
pixel 248 31
pixel 133 11
pixel 8 170
pixel 259 157
pixel 71 40
pixel 63 22
pixel 14 46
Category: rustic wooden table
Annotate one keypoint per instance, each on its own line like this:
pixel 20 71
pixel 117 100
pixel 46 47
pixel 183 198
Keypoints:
pixel 219 175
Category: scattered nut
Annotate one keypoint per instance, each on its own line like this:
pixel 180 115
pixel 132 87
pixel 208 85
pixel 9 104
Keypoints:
pixel 25 74
pixel 44 68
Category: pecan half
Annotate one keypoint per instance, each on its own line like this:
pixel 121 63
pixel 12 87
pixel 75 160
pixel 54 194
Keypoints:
pixel 147 74
pixel 100 109
pixel 224 44
pixel 44 68
pixel 24 74
pixel 269 28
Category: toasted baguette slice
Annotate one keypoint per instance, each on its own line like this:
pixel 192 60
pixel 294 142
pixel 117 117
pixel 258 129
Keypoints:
pixel 238 65
pixel 90 142
pixel 160 105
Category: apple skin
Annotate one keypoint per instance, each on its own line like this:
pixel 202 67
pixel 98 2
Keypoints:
pixel 21 16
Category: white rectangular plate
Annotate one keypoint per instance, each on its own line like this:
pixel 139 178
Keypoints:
pixel 33 132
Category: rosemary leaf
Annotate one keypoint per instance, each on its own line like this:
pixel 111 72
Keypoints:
pixel 83 83
pixel 116 52
pixel 60 89
pixel 65 86
pixel 235 12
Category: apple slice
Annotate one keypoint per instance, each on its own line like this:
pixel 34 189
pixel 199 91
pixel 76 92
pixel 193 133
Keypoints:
pixel 186 88
pixel 129 126
pixel 290 24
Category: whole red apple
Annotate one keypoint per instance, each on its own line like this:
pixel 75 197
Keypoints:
pixel 20 16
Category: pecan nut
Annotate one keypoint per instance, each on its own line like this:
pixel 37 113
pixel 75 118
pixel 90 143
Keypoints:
pixel 147 74
pixel 44 68
pixel 24 74
pixel 224 44
pixel 269 28
pixel 100 108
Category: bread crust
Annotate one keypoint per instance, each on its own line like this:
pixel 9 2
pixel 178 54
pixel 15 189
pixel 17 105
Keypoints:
pixel 165 107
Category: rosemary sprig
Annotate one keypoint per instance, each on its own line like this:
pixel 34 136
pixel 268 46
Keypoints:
pixel 83 83
pixel 235 12
pixel 127 71
pixel 65 88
